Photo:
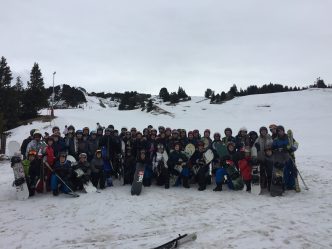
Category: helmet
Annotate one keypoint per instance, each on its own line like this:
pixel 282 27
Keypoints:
pixel 207 130
pixel 228 129
pixel 280 128
pixel 79 132
pixel 273 126
pixel 200 143
pixel 161 128
pixel 86 128
pixel 63 154
pixel 108 130
pixel 97 151
pixel 175 131
pixel 71 127
pixel 111 127
pixel 55 128
pixel 160 146
pixel 217 134
pixel 263 128
pixel 190 132
pixel 93 132
pixel 243 129
pixel 82 155
pixel 32 132
pixel 37 133
pixel 253 133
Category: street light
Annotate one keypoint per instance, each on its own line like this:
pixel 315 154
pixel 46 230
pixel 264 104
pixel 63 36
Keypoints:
pixel 52 110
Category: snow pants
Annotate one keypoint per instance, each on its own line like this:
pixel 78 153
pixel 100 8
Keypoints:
pixel 290 173
pixel 55 181
pixel 221 174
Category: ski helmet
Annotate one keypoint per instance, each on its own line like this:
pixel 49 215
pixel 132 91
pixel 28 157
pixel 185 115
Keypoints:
pixel 37 133
pixel 228 129
pixel 272 126
pixel 263 128
pixel 216 135
pixel 280 128
pixel 55 128
pixel 32 132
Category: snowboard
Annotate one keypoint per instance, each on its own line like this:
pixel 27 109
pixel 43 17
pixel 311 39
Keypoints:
pixel 277 185
pixel 189 150
pixel 22 191
pixel 175 243
pixel 136 187
pixel 255 181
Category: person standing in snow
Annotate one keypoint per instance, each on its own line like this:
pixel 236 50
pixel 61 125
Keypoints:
pixel 160 167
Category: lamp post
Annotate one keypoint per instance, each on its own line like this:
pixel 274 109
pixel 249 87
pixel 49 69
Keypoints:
pixel 52 110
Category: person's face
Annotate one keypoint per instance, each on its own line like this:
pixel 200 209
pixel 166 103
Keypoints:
pixel 228 133
pixel 268 152
pixel 62 159
pixel 56 130
pixel 177 147
pixel 50 142
pixel 82 159
pixel 98 155
pixel 190 136
pixel 37 138
pixel 281 132
pixel 231 147
pixel 273 130
pixel 142 154
pixel 243 133
pixel 263 132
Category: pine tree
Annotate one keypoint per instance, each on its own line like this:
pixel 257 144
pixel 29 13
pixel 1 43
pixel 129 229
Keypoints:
pixel 5 74
pixel 164 94
pixel 208 93
pixel 182 93
pixel 233 91
pixel 35 97
pixel 5 94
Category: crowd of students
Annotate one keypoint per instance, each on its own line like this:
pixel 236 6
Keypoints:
pixel 171 157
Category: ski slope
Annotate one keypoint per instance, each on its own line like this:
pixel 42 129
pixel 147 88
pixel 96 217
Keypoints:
pixel 115 219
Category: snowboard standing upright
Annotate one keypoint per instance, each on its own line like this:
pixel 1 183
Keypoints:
pixel 22 191
pixel 136 187
pixel 255 182
pixel 277 184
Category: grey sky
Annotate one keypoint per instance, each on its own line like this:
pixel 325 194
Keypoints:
pixel 144 45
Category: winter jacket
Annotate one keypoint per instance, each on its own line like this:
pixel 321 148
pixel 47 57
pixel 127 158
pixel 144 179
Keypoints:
pixel 39 147
pixel 97 165
pixel 49 155
pixel 245 168
pixel 261 143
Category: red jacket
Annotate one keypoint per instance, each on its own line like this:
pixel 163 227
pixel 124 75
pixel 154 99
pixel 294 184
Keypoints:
pixel 50 158
pixel 245 169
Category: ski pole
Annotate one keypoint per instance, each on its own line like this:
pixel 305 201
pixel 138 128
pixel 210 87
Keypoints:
pixel 48 166
pixel 305 185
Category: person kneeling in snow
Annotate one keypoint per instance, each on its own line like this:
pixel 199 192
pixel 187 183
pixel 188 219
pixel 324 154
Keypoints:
pixel 82 172
pixel 62 169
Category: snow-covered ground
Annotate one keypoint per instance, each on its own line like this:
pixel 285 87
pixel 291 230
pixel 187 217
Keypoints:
pixel 115 219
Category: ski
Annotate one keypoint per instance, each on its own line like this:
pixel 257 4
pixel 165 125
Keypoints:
pixel 175 243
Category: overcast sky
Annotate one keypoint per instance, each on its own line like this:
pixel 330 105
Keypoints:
pixel 144 45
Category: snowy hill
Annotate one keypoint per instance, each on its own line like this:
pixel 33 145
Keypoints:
pixel 114 219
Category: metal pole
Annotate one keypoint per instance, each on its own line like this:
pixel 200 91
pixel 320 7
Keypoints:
pixel 52 110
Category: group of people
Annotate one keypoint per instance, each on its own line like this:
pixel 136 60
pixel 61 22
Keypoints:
pixel 171 157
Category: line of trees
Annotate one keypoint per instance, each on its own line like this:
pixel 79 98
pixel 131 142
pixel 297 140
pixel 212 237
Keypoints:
pixel 250 90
